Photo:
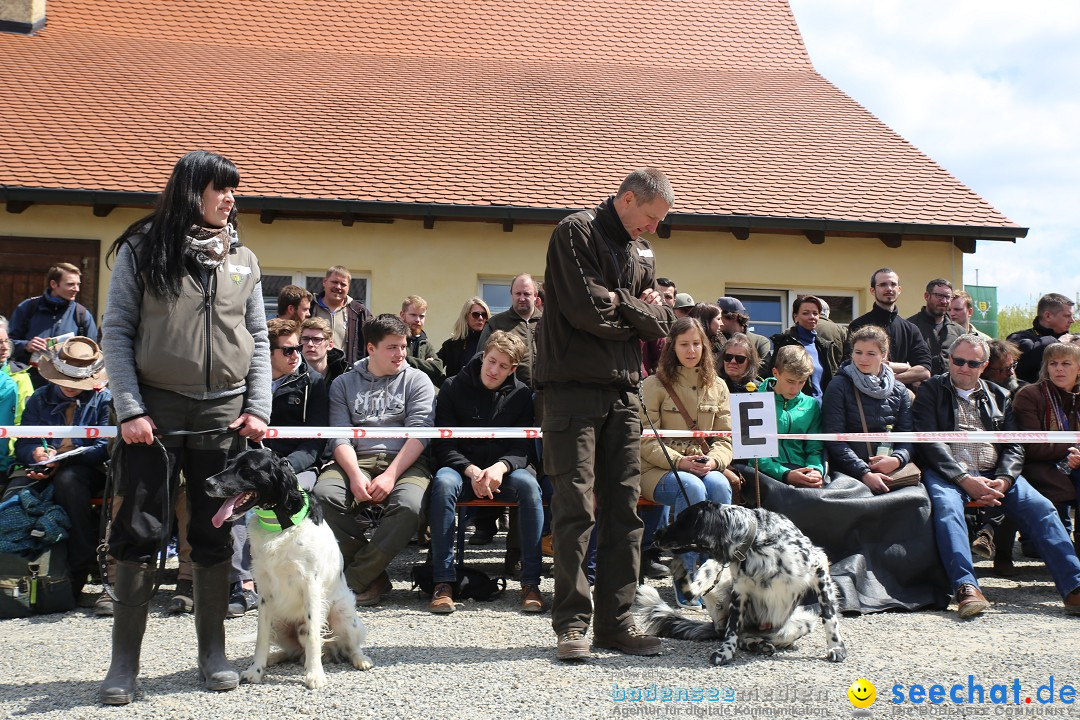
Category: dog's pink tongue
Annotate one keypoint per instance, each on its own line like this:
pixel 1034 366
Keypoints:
pixel 225 512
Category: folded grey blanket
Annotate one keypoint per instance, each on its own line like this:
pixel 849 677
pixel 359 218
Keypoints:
pixel 881 548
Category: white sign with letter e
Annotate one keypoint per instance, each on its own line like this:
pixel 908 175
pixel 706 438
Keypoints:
pixel 753 425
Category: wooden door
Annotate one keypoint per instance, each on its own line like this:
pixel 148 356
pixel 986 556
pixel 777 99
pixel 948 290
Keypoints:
pixel 24 261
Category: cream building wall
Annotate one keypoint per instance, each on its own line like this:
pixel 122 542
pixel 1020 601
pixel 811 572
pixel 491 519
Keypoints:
pixel 448 263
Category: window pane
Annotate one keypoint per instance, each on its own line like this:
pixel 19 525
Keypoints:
pixel 271 286
pixel 766 313
pixel 841 308
pixel 496 295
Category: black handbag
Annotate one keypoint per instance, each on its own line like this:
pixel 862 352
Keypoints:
pixel 37 585
pixel 471 584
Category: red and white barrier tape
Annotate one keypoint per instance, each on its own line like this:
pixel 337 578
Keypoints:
pixel 382 433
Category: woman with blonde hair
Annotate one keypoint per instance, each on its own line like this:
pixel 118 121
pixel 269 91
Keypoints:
pixel 463 343
pixel 685 394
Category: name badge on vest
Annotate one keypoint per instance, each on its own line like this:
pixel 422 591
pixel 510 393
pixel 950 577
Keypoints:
pixel 238 273
pixel 644 252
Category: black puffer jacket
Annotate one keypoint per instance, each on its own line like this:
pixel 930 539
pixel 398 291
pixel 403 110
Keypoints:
pixel 463 401
pixel 840 414
pixel 935 411
pixel 300 400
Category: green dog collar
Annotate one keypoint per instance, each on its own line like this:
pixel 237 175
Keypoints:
pixel 270 521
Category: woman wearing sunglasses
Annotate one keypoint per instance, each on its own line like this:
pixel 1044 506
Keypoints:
pixel 738 364
pixel 463 343
pixel 186 349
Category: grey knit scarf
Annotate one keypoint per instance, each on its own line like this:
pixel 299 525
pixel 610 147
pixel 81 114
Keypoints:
pixel 877 387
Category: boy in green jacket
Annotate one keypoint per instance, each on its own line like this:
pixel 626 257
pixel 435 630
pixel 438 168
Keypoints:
pixel 801 462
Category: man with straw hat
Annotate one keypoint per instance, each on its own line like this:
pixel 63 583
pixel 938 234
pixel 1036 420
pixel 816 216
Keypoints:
pixel 74 396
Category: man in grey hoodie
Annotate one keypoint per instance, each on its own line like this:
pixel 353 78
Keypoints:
pixel 383 390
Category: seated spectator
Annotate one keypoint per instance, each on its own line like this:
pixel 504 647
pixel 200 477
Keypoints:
pixel 294 303
pixel 485 393
pixel 684 303
pixel 54 313
pixel 1054 315
pixel 824 354
pixel 735 319
pixel 463 342
pixel 319 352
pixel 382 390
pixel 1052 405
pixel 738 364
pixel 345 316
pixel 75 394
pixel 933 321
pixel 15 371
pixel 801 463
pixel 522 318
pixel 961 401
pixel 685 394
pixel 1001 368
pixel 10 405
pixel 866 394
pixel 422 354
pixel 880 546
pixel 961 309
pixel 708 316
pixel 909 356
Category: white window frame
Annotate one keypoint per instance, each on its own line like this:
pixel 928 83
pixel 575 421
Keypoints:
pixel 495 281
pixel 300 277
pixel 788 296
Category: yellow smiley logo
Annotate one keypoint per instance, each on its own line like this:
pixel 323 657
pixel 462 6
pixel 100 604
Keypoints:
pixel 862 693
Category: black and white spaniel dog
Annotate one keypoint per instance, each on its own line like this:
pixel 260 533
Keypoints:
pixel 305 606
pixel 753 587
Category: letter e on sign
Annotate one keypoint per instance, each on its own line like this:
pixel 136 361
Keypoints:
pixel 753 425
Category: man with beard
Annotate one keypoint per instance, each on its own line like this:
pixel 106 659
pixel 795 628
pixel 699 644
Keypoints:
pixel 933 321
pixel 909 356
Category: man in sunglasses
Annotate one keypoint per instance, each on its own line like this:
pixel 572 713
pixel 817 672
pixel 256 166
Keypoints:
pixel 987 474
pixel 521 319
pixel 933 321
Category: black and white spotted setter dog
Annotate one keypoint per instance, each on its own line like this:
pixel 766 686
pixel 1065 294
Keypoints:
pixel 761 567
pixel 305 607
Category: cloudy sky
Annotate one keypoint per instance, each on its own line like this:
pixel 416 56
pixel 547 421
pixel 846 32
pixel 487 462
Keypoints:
pixel 991 91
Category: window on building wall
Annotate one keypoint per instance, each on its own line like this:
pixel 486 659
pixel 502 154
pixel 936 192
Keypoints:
pixel 770 310
pixel 496 294
pixel 274 280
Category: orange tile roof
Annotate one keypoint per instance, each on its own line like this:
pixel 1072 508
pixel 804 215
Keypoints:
pixel 542 104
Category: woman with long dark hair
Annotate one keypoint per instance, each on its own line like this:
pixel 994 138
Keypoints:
pixel 186 350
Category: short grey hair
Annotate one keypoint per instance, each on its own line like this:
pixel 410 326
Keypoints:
pixel 647 184
pixel 973 340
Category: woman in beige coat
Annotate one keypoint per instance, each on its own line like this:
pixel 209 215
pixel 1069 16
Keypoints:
pixel 686 367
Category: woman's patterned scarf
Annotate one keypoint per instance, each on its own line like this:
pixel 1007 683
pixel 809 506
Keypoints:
pixel 1061 408
pixel 209 245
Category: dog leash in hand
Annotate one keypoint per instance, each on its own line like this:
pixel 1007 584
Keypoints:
pixel 112 478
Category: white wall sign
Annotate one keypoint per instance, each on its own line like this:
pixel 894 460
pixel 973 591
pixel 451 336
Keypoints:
pixel 753 425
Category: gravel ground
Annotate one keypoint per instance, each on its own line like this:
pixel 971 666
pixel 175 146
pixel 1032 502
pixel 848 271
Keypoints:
pixel 489 661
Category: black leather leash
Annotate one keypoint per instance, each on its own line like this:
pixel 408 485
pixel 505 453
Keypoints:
pixel 113 480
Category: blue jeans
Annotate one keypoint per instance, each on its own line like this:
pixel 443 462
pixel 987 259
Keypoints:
pixel 714 486
pixel 1033 513
pixel 449 487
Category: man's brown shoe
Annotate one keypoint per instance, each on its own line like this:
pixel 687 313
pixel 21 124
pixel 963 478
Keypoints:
pixel 547 546
pixel 970 601
pixel 373 593
pixel 1072 602
pixel 442 602
pixel 631 641
pixel 573 645
pixel 531 600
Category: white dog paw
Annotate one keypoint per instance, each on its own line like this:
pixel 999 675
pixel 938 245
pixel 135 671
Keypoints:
pixel 720 658
pixel 253 675
pixel 315 680
pixel 363 662
pixel 837 654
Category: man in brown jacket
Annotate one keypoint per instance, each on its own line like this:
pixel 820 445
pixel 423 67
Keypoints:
pixel 600 302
